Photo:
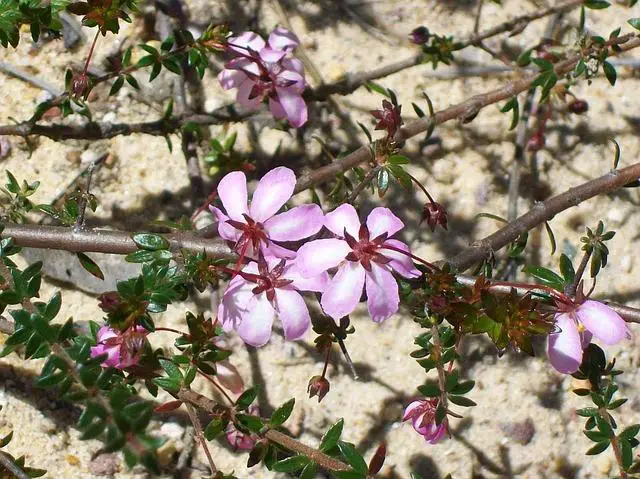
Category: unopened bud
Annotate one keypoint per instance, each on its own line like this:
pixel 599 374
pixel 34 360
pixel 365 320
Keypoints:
pixel 79 85
pixel 578 107
pixel 109 302
pixel 318 386
pixel 435 215
pixel 419 35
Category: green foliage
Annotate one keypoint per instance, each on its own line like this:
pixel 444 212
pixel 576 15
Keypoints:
pixel 19 462
pixel 40 15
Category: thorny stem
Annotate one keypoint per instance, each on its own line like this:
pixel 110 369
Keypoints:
pixel 435 334
pixel 11 467
pixel 327 462
pixel 570 290
pixel 200 436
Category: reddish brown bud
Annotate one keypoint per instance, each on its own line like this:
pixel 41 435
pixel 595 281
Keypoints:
pixel 536 142
pixel 419 35
pixel 79 85
pixel 434 214
pixel 578 107
pixel 318 386
pixel 388 117
pixel 109 301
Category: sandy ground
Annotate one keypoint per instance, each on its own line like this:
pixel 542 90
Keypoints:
pixel 469 175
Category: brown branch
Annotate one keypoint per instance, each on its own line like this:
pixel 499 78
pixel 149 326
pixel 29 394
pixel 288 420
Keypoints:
pixel 463 111
pixel 542 212
pixel 104 241
pixel 200 436
pixel 213 408
pixel 101 130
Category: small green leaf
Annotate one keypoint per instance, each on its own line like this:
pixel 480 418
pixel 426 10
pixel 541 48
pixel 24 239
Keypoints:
pixel 150 241
pixel 429 390
pixel 353 458
pixel 566 269
pixel 253 423
pixel 281 414
pixel 629 432
pixel 291 464
pixel 214 428
pixel 461 401
pixel 596 4
pixel 330 438
pixel 598 448
pixel 552 238
pixel 246 398
pixel 545 276
pixel 91 266
pixel 117 85
pixel 609 72
pixel 635 23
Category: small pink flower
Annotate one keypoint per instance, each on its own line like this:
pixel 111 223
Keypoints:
pixel 262 291
pixel 240 440
pixel 123 349
pixel 265 71
pixel 366 262
pixel 422 413
pixel 577 327
pixel 255 227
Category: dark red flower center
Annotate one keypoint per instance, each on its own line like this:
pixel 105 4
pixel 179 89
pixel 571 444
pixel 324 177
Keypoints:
pixel 365 250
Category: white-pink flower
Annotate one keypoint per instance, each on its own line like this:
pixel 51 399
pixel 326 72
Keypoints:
pixel 422 414
pixel 365 257
pixel 256 226
pixel 239 440
pixel 577 327
pixel 266 71
pixel 123 349
pixel 263 291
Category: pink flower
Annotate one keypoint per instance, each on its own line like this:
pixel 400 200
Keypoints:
pixel 257 226
pixel 262 291
pixel 577 327
pixel 123 349
pixel 267 72
pixel 240 440
pixel 422 413
pixel 366 262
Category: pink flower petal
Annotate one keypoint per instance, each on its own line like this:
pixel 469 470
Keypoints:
pixel 232 191
pixel 291 80
pixel 293 64
pixel 225 230
pixel 249 67
pixel 344 291
pixel 283 39
pixel 274 250
pixel 270 55
pixel 235 300
pixel 104 333
pixel 316 283
pixel 273 191
pixel 400 263
pixel 411 410
pixel 382 293
pixel 382 220
pixel 565 348
pixel 343 217
pixel 297 223
pixel 245 42
pixel 293 314
pixel 294 106
pixel 231 78
pixel 276 109
pixel 244 95
pixel 318 256
pixel 603 322
pixel 255 328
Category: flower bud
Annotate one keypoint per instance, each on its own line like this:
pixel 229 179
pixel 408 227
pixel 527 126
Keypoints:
pixel 434 214
pixel 109 302
pixel 318 386
pixel 79 85
pixel 578 107
pixel 419 35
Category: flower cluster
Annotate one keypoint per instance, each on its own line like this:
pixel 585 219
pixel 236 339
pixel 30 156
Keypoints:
pixel 264 71
pixel 269 286
pixel 123 349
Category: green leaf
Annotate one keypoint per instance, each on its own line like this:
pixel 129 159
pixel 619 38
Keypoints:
pixel 309 472
pixel 91 266
pixel 552 238
pixel 398 160
pixel 6 439
pixel 514 106
pixel 461 401
pixel 353 458
pixel 169 384
pixel 609 72
pixel 93 431
pixel 117 85
pixel 545 276
pixel 373 86
pixel 330 438
pixel 253 423
pixel 246 398
pixel 566 269
pixel 214 428
pixel 429 390
pixel 634 22
pixel 383 182
pixel 281 414
pixel 463 387
pixel 291 464
pixel 171 369
pixel 596 4
pixel 150 241
pixel 598 448
pixel 629 432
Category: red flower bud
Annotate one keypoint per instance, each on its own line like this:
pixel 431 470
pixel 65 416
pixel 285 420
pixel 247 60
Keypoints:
pixel 388 117
pixel 536 142
pixel 419 35
pixel 79 85
pixel 109 302
pixel 318 386
pixel 578 107
pixel 434 214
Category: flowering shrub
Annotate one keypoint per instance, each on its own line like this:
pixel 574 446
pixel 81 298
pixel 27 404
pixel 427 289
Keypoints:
pixel 274 265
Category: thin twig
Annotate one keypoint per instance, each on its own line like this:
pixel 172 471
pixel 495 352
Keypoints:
pixel 200 436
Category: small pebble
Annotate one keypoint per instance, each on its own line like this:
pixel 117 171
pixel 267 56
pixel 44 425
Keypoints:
pixel 105 465
pixel 520 432
pixel 5 147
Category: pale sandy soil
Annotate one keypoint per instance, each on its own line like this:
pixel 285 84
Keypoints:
pixel 469 176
